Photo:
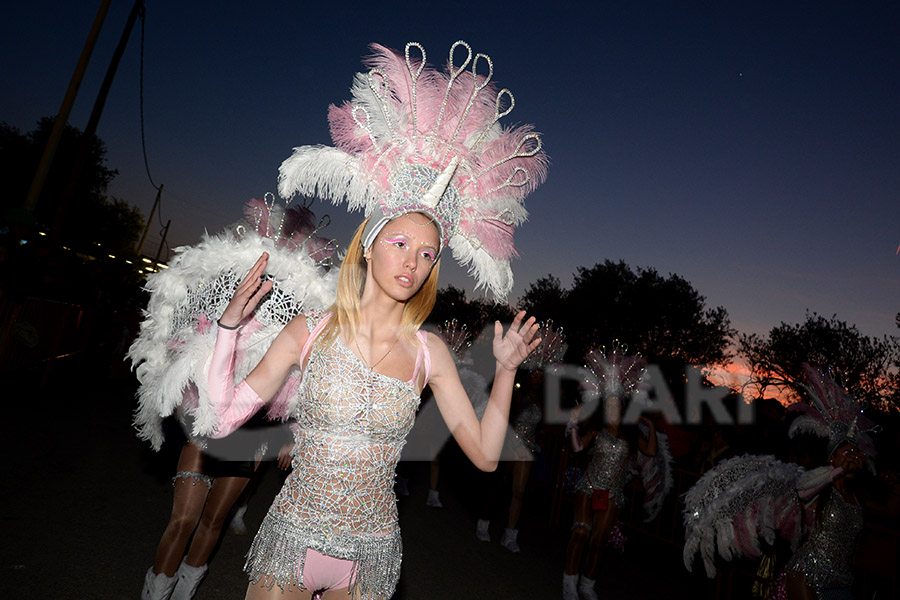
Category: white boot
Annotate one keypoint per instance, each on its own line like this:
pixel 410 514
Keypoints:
pixel 508 540
pixel 157 586
pixel 188 579
pixel 434 499
pixel 586 589
pixel 570 586
pixel 238 527
pixel 481 530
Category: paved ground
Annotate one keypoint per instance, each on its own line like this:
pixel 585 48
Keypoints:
pixel 84 503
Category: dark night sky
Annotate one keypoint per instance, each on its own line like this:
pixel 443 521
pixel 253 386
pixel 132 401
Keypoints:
pixel 751 147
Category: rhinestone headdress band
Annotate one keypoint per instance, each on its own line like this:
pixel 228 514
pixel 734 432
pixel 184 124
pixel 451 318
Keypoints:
pixel 415 139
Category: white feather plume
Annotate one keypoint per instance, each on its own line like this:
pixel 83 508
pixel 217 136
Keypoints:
pixel 168 357
pixel 489 273
pixel 328 173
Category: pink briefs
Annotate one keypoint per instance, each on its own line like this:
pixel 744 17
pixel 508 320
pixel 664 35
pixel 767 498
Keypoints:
pixel 321 572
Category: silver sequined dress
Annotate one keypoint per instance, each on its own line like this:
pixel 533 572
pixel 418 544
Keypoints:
pixel 826 558
pixel 339 498
pixel 525 424
pixel 608 469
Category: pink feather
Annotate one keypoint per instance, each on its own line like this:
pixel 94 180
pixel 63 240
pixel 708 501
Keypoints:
pixel 190 398
pixel 495 235
pixel 481 111
pixel 202 323
pixel 257 213
pixel 346 134
pixel 298 220
pixel 742 535
pixel 503 147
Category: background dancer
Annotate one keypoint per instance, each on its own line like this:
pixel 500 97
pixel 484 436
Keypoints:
pixel 743 505
pixel 177 335
pixel 617 451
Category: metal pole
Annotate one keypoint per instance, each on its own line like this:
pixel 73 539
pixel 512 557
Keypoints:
pixel 150 220
pixel 89 130
pixel 162 242
pixel 62 117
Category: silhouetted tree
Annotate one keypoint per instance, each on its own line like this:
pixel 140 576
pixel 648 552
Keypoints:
pixel 92 216
pixel 451 303
pixel 545 298
pixel 865 366
pixel 76 267
pixel 663 318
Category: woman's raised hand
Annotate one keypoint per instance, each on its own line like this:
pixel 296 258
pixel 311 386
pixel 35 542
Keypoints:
pixel 247 294
pixel 513 348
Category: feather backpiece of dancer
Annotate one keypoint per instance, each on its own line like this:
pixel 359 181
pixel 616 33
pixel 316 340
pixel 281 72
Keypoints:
pixel 656 476
pixel 179 328
pixel 741 502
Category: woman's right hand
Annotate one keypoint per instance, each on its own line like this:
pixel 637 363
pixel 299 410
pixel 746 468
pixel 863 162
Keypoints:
pixel 247 295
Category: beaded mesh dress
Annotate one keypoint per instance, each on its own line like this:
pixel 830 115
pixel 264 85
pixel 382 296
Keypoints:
pixel 339 498
pixel 825 560
pixel 607 470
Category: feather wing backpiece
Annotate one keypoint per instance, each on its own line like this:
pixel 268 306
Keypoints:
pixel 178 332
pixel 743 501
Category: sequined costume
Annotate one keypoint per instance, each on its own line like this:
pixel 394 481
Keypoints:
pixel 525 424
pixel 608 469
pixel 826 558
pixel 339 498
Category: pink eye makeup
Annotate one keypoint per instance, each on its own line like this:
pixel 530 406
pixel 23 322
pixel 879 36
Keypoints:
pixel 403 242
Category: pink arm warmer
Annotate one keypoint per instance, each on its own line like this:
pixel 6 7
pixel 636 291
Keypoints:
pixel 233 405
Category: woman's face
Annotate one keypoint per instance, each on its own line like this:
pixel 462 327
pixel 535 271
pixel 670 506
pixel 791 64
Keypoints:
pixel 613 407
pixel 402 255
pixel 849 456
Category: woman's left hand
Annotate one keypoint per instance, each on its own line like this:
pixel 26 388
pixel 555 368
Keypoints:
pixel 284 456
pixel 849 457
pixel 512 348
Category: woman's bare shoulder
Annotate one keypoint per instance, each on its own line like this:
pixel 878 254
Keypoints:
pixel 298 329
pixel 441 359
pixel 435 343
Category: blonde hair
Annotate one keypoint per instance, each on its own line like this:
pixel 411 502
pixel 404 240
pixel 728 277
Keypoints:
pixel 351 281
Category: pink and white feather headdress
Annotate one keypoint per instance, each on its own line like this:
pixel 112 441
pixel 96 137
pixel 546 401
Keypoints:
pixel 415 139
pixel 831 412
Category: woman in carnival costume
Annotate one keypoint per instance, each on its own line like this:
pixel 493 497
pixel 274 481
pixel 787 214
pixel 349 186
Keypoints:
pixel 421 151
pixel 751 500
pixel 178 334
pixel 618 451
